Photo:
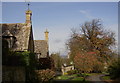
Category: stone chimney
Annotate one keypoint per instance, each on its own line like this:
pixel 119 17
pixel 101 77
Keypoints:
pixel 46 35
pixel 28 16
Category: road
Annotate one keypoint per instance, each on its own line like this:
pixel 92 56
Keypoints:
pixel 95 78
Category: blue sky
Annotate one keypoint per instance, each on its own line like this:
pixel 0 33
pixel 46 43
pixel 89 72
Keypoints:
pixel 60 17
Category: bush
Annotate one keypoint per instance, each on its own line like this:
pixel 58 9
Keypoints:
pixel 45 75
pixel 66 73
pixel 98 67
pixel 25 59
pixel 88 62
pixel 79 75
pixel 114 69
pixel 72 72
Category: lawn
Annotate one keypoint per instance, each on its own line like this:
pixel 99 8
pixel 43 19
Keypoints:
pixel 106 77
pixel 63 77
pixel 66 77
pixel 74 78
pixel 78 79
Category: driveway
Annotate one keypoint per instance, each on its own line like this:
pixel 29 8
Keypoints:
pixel 95 78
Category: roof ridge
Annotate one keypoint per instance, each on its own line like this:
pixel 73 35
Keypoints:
pixel 12 23
pixel 39 40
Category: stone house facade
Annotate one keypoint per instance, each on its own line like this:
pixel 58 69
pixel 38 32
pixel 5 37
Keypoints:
pixel 42 53
pixel 19 38
pixel 19 35
pixel 42 47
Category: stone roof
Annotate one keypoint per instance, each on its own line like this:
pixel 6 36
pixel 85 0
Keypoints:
pixel 7 33
pixel 21 31
pixel 41 47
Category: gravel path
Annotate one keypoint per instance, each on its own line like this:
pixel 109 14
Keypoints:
pixel 95 78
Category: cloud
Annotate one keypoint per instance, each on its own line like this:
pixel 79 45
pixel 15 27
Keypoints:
pixel 83 11
pixel 87 14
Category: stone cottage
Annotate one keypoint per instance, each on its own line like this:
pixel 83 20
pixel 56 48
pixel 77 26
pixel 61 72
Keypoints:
pixel 19 38
pixel 42 47
pixel 42 53
pixel 19 35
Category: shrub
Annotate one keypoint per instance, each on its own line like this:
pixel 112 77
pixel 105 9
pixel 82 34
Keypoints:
pixel 98 67
pixel 88 62
pixel 25 59
pixel 72 72
pixel 45 75
pixel 79 75
pixel 66 73
pixel 114 69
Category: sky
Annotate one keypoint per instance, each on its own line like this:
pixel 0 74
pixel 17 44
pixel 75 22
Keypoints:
pixel 60 0
pixel 60 17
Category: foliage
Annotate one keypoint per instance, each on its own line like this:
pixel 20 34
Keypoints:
pixel 98 67
pixel 87 62
pixel 65 73
pixel 91 37
pixel 45 75
pixel 57 60
pixel 45 63
pixel 114 69
pixel 27 59
pixel 79 74
pixel 78 79
pixel 106 77
pixel 72 72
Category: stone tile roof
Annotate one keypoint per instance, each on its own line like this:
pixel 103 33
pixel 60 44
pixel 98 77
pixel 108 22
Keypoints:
pixel 41 47
pixel 20 31
pixel 7 33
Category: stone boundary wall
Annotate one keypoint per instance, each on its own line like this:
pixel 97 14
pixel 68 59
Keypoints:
pixel 13 74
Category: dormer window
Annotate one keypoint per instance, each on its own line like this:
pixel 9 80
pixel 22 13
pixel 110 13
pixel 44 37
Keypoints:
pixel 11 41
pixel 9 37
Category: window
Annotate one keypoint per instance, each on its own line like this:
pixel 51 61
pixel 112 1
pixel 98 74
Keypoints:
pixel 11 40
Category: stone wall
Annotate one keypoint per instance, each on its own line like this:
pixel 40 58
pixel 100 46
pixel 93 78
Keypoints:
pixel 16 74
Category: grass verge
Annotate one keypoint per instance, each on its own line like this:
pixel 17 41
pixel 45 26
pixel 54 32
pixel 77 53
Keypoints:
pixel 105 78
pixel 78 79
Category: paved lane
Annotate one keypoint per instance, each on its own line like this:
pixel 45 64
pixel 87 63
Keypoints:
pixel 95 78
